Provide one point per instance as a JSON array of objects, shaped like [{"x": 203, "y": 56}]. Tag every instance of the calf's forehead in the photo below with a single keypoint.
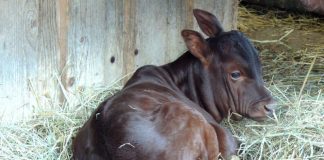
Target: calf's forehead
[{"x": 236, "y": 48}]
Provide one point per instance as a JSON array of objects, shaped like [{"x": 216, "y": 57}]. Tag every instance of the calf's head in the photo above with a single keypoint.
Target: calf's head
[{"x": 233, "y": 68}]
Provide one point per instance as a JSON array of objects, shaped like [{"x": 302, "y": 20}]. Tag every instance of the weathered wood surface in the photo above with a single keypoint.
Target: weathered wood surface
[{"x": 85, "y": 43}]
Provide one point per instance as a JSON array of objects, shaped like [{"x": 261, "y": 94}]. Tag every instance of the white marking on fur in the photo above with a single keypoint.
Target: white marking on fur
[
  {"x": 125, "y": 145},
  {"x": 97, "y": 115},
  {"x": 132, "y": 107}
]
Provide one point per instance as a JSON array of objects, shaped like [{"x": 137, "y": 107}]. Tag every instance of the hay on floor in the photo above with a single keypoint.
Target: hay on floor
[
  {"x": 293, "y": 73},
  {"x": 292, "y": 53}
]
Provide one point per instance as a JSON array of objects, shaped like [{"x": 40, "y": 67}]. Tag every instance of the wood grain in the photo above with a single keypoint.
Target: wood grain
[
  {"x": 85, "y": 43},
  {"x": 29, "y": 56}
]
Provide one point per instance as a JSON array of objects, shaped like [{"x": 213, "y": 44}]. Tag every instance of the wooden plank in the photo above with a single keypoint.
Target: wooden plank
[
  {"x": 93, "y": 43},
  {"x": 29, "y": 54},
  {"x": 62, "y": 22},
  {"x": 43, "y": 79},
  {"x": 151, "y": 22},
  {"x": 179, "y": 17},
  {"x": 113, "y": 49},
  {"x": 129, "y": 29},
  {"x": 158, "y": 26},
  {"x": 13, "y": 67},
  {"x": 230, "y": 14},
  {"x": 88, "y": 43},
  {"x": 225, "y": 11}
]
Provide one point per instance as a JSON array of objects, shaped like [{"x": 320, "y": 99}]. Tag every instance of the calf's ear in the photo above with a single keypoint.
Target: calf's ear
[
  {"x": 196, "y": 44},
  {"x": 208, "y": 23}
]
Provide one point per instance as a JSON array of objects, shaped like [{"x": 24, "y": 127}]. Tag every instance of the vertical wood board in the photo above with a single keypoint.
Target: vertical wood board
[{"x": 50, "y": 50}]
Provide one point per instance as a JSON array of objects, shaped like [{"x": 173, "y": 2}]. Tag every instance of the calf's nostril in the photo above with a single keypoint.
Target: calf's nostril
[{"x": 267, "y": 109}]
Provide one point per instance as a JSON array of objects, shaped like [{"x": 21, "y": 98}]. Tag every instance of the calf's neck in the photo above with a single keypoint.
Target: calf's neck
[{"x": 173, "y": 111}]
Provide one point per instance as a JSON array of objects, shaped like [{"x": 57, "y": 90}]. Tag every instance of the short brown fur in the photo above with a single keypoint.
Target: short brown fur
[{"x": 173, "y": 111}]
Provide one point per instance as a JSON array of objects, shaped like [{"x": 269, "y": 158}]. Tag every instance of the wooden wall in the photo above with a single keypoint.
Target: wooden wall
[{"x": 49, "y": 44}]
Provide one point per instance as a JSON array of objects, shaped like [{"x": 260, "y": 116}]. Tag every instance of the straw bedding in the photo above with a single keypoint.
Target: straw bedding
[{"x": 292, "y": 52}]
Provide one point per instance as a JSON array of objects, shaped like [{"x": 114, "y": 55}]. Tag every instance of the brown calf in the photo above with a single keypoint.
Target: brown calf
[{"x": 172, "y": 112}]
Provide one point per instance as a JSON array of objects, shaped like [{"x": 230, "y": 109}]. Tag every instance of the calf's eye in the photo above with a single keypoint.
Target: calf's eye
[{"x": 235, "y": 75}]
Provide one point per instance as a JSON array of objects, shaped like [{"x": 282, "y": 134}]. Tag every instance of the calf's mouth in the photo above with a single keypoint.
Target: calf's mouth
[{"x": 262, "y": 109}]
